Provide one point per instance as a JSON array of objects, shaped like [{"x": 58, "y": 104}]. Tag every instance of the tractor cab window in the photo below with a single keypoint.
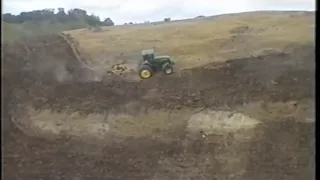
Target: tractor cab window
[
  {"x": 148, "y": 57},
  {"x": 148, "y": 54}
]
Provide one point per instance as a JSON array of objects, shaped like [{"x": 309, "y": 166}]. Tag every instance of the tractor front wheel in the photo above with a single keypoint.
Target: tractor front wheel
[
  {"x": 145, "y": 72},
  {"x": 168, "y": 69}
]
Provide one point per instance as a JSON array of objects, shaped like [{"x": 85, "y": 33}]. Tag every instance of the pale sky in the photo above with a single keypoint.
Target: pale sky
[{"x": 122, "y": 11}]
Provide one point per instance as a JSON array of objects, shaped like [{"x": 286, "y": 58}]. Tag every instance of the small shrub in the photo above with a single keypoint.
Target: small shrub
[
  {"x": 167, "y": 19},
  {"x": 201, "y": 16}
]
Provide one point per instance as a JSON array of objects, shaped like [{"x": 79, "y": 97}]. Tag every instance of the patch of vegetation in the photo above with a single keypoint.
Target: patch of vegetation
[{"x": 46, "y": 21}]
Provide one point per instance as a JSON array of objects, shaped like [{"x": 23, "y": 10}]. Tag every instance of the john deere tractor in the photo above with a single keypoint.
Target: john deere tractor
[{"x": 151, "y": 64}]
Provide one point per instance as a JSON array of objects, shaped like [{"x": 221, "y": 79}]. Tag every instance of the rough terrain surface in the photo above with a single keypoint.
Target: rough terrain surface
[{"x": 163, "y": 128}]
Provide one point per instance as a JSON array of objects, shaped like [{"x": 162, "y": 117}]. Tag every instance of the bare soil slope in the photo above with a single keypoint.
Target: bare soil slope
[{"x": 275, "y": 90}]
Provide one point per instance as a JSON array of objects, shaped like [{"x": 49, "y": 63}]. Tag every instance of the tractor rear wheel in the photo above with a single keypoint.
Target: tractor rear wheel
[
  {"x": 145, "y": 72},
  {"x": 168, "y": 69}
]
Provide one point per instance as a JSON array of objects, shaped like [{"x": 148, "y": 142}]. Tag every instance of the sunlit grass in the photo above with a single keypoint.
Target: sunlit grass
[{"x": 199, "y": 41}]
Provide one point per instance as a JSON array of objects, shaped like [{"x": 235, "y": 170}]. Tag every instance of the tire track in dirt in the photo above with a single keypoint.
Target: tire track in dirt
[{"x": 75, "y": 50}]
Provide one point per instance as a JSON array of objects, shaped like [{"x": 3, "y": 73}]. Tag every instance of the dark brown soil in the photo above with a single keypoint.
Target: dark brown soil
[{"x": 282, "y": 149}]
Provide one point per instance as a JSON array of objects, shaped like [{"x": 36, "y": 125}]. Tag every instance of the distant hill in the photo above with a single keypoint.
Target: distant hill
[{"x": 40, "y": 22}]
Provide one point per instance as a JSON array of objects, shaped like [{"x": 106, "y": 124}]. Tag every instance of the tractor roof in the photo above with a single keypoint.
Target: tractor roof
[{"x": 147, "y": 51}]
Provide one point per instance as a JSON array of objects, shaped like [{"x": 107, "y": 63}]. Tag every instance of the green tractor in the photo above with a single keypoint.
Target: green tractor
[{"x": 151, "y": 64}]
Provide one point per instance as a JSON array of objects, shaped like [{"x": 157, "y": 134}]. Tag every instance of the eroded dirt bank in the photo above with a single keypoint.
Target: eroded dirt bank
[{"x": 42, "y": 73}]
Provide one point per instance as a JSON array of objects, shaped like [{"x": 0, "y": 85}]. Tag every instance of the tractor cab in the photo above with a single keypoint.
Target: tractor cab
[{"x": 148, "y": 55}]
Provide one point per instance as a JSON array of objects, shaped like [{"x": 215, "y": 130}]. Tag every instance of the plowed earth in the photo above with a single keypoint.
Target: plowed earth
[{"x": 43, "y": 73}]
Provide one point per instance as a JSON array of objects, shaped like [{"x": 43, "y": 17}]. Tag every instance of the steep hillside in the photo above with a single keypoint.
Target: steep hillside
[{"x": 196, "y": 42}]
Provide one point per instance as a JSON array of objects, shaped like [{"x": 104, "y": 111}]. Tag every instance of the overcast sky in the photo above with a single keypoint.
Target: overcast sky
[{"x": 121, "y": 11}]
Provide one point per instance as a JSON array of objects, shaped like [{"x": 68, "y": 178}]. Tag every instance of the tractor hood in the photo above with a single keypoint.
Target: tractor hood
[
  {"x": 165, "y": 58},
  {"x": 162, "y": 57}
]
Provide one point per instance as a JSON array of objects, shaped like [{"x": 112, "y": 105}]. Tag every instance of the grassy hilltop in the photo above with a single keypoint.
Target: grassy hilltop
[
  {"x": 13, "y": 31},
  {"x": 46, "y": 21}
]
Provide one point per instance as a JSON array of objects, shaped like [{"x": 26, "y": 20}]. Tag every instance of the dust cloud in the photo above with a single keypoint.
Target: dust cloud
[{"x": 61, "y": 71}]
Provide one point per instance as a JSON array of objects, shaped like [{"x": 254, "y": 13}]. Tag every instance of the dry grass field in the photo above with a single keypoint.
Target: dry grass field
[{"x": 197, "y": 42}]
